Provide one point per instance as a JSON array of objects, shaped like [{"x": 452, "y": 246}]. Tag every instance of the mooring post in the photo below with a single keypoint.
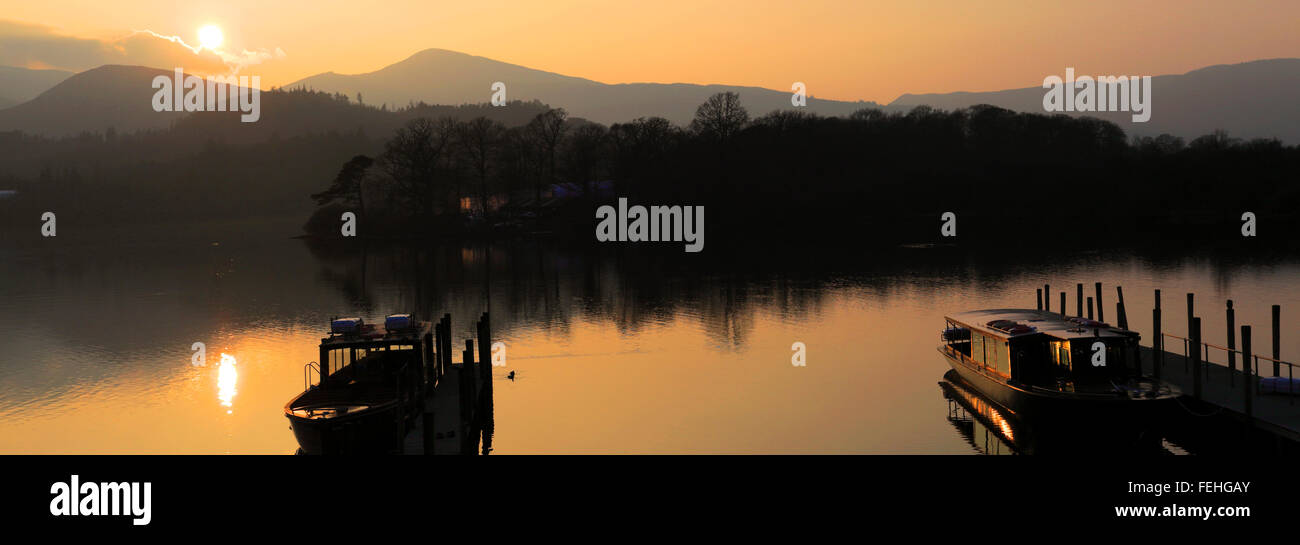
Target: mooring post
[
  {"x": 445, "y": 348},
  {"x": 485, "y": 357},
  {"x": 472, "y": 368},
  {"x": 1047, "y": 303},
  {"x": 430, "y": 433},
  {"x": 1062, "y": 303},
  {"x": 1245, "y": 367},
  {"x": 1232, "y": 344},
  {"x": 485, "y": 350},
  {"x": 1119, "y": 307},
  {"x": 1157, "y": 339},
  {"x": 1100, "y": 315},
  {"x": 1040, "y": 298},
  {"x": 1089, "y": 308},
  {"x": 1190, "y": 314},
  {"x": 1078, "y": 299},
  {"x": 446, "y": 339},
  {"x": 1195, "y": 352},
  {"x": 1277, "y": 340},
  {"x": 471, "y": 408}
]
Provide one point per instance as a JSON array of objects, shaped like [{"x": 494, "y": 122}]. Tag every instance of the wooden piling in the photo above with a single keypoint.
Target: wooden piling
[
  {"x": 446, "y": 342},
  {"x": 1119, "y": 308},
  {"x": 1040, "y": 298},
  {"x": 1062, "y": 303},
  {"x": 1247, "y": 383},
  {"x": 1194, "y": 351},
  {"x": 1100, "y": 315},
  {"x": 1157, "y": 339},
  {"x": 471, "y": 369},
  {"x": 1047, "y": 303},
  {"x": 1277, "y": 340},
  {"x": 484, "y": 331},
  {"x": 1078, "y": 299},
  {"x": 1190, "y": 314},
  {"x": 1089, "y": 308},
  {"x": 428, "y": 430},
  {"x": 468, "y": 416},
  {"x": 1232, "y": 342}
]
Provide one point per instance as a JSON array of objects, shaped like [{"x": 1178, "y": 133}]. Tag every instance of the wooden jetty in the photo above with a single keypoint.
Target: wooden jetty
[
  {"x": 1224, "y": 385},
  {"x": 456, "y": 417}
]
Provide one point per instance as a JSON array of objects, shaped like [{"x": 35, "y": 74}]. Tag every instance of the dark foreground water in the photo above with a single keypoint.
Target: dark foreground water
[{"x": 614, "y": 352}]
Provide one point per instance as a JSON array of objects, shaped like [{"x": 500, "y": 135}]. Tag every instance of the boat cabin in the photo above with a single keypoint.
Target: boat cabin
[
  {"x": 355, "y": 350},
  {"x": 1042, "y": 348}
]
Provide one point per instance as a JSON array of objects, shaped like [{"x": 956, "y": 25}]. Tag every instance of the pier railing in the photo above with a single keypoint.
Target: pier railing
[{"x": 1232, "y": 355}]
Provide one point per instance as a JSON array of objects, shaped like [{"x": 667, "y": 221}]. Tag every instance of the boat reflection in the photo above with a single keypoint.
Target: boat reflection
[
  {"x": 992, "y": 429},
  {"x": 980, "y": 423}
]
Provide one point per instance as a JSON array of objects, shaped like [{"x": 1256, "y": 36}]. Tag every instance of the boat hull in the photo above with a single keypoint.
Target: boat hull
[
  {"x": 1085, "y": 409},
  {"x": 375, "y": 430}
]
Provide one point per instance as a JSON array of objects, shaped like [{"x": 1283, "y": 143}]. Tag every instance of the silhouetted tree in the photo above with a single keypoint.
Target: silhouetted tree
[
  {"x": 584, "y": 154},
  {"x": 348, "y": 184},
  {"x": 547, "y": 130},
  {"x": 478, "y": 139},
  {"x": 720, "y": 117}
]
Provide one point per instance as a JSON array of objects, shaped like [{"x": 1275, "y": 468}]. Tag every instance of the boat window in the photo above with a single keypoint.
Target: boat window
[
  {"x": 1061, "y": 355},
  {"x": 401, "y": 347},
  {"x": 339, "y": 358},
  {"x": 977, "y": 348},
  {"x": 1000, "y": 359}
]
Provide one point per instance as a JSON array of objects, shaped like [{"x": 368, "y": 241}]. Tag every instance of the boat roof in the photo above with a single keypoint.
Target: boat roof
[
  {"x": 1042, "y": 321},
  {"x": 375, "y": 334}
]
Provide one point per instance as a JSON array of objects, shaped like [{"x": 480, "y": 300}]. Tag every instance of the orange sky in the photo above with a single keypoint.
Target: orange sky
[{"x": 843, "y": 50}]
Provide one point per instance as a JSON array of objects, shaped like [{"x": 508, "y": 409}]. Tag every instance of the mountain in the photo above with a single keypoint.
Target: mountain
[
  {"x": 1249, "y": 100},
  {"x": 439, "y": 76},
  {"x": 109, "y": 96},
  {"x": 18, "y": 85}
]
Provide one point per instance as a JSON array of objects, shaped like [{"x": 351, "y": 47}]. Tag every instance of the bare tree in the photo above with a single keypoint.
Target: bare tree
[
  {"x": 548, "y": 130},
  {"x": 412, "y": 159},
  {"x": 585, "y": 153},
  {"x": 478, "y": 139},
  {"x": 720, "y": 117}
]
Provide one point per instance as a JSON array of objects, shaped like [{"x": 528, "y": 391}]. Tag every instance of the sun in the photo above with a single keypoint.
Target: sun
[{"x": 210, "y": 37}]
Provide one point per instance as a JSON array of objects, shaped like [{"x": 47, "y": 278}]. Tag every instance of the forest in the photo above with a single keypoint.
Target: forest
[{"x": 524, "y": 169}]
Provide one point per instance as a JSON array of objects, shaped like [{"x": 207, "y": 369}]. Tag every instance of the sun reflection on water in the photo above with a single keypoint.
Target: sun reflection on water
[{"x": 227, "y": 376}]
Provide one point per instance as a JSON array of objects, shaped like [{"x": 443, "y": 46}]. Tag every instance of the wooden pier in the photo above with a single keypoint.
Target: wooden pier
[
  {"x": 1223, "y": 385},
  {"x": 456, "y": 412}
]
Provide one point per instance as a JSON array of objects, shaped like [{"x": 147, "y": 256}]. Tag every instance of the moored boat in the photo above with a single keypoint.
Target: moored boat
[
  {"x": 370, "y": 390},
  {"x": 1043, "y": 364}
]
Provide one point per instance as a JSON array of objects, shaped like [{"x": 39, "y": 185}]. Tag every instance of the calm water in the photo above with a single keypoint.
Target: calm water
[{"x": 613, "y": 353}]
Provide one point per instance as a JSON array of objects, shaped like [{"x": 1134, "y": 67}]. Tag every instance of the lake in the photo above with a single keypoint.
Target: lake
[{"x": 615, "y": 349}]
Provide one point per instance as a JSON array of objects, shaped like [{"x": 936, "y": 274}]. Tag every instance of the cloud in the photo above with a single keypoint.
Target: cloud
[{"x": 38, "y": 46}]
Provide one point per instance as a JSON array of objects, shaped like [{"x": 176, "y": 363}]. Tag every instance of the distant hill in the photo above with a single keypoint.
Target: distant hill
[
  {"x": 94, "y": 100},
  {"x": 1249, "y": 100},
  {"x": 439, "y": 76},
  {"x": 18, "y": 85}
]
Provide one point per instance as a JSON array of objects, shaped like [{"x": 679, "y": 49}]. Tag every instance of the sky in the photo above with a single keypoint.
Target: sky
[{"x": 843, "y": 50}]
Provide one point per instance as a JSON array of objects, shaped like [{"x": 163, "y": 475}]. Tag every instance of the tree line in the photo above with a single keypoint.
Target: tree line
[{"x": 803, "y": 177}]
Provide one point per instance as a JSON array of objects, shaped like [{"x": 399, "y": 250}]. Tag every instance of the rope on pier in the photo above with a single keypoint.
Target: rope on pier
[{"x": 1194, "y": 413}]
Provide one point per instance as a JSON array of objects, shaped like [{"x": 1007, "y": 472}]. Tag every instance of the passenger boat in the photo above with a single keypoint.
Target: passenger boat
[
  {"x": 370, "y": 390},
  {"x": 1043, "y": 364}
]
